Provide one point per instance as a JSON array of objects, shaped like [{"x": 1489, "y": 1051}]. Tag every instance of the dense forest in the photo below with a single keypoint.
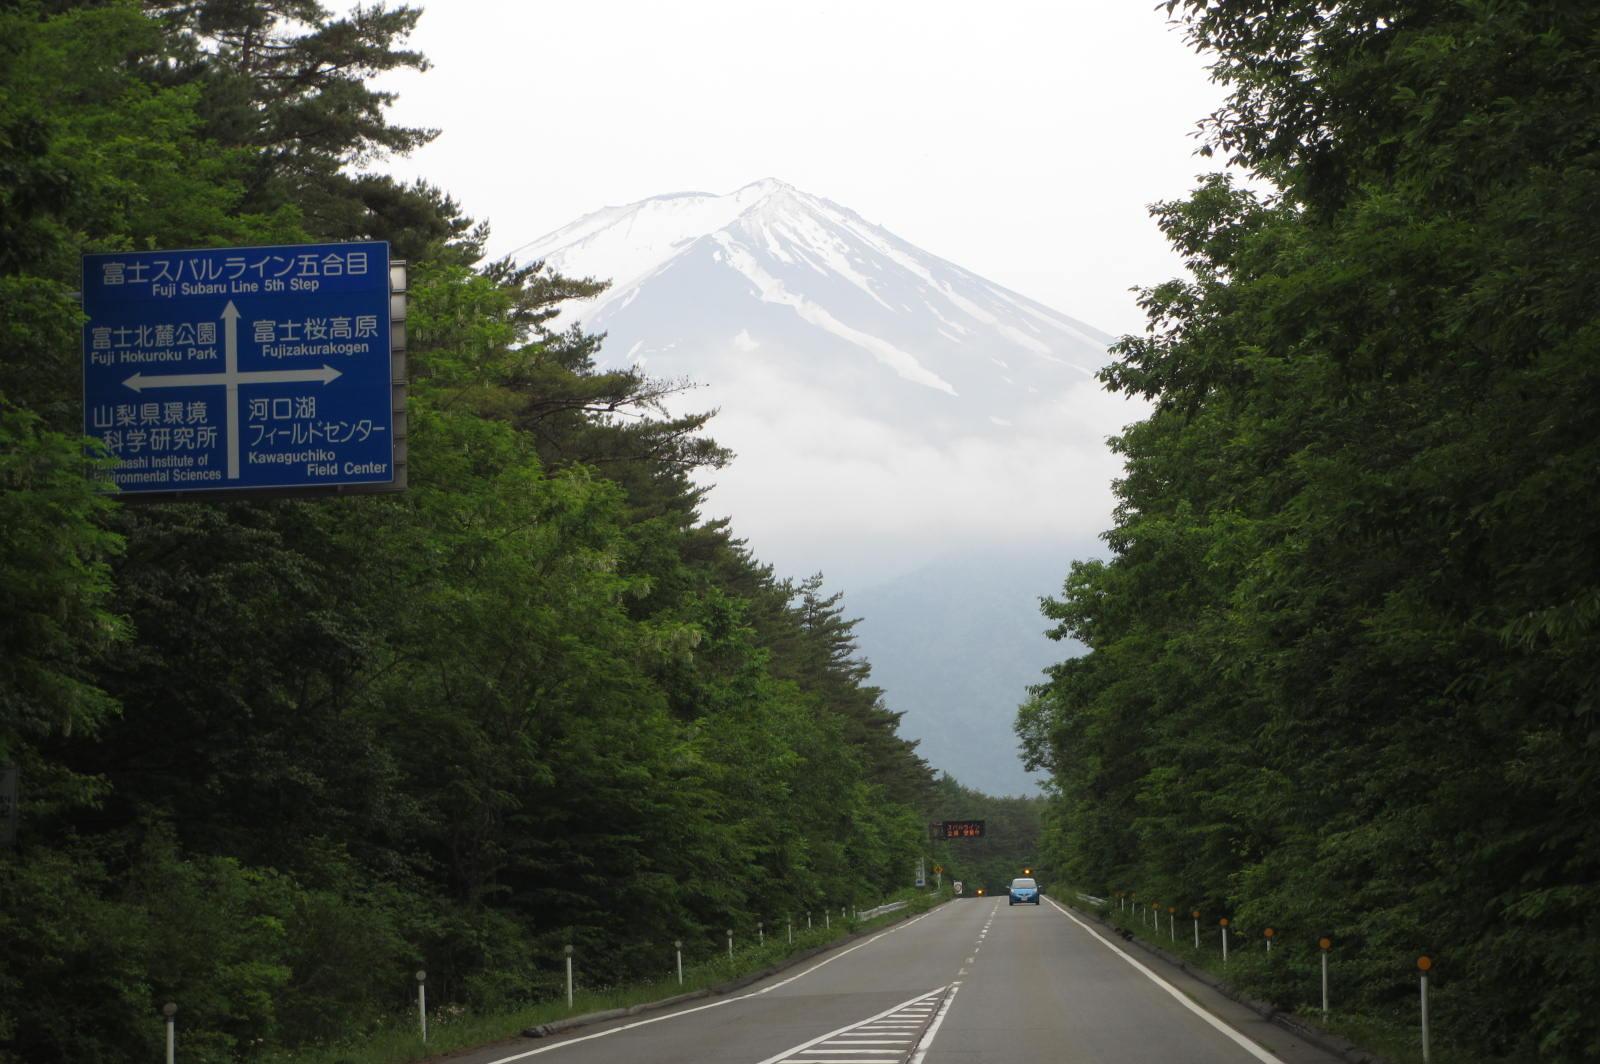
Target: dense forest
[
  {"x": 275, "y": 755},
  {"x": 1342, "y": 676}
]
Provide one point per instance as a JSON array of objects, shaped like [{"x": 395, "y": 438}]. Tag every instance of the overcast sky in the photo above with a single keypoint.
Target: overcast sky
[{"x": 1021, "y": 140}]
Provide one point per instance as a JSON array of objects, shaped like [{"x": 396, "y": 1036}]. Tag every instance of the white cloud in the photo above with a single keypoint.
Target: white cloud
[{"x": 816, "y": 485}]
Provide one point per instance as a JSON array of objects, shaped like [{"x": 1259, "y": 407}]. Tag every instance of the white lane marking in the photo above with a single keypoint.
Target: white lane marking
[
  {"x": 1243, "y": 1042},
  {"x": 724, "y": 1001},
  {"x": 793, "y": 1051},
  {"x": 871, "y": 1038},
  {"x": 842, "y": 1040},
  {"x": 933, "y": 1028}
]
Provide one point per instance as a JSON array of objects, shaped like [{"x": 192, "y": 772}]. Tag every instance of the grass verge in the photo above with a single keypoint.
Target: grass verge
[{"x": 451, "y": 1028}]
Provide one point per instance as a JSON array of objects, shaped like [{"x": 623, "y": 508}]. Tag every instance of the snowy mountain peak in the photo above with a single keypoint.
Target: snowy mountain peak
[
  {"x": 701, "y": 284},
  {"x": 766, "y": 186}
]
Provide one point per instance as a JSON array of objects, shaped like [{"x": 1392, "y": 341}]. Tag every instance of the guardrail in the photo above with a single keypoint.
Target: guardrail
[{"x": 867, "y": 914}]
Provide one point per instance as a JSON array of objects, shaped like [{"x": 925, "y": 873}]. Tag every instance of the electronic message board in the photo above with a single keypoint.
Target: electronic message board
[
  {"x": 241, "y": 368},
  {"x": 961, "y": 829}
]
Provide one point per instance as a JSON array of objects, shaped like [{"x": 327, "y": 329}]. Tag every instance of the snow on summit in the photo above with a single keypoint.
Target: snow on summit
[{"x": 703, "y": 284}]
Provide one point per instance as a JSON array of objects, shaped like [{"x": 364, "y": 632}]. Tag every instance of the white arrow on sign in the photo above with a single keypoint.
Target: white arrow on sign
[
  {"x": 231, "y": 378},
  {"x": 139, "y": 382}
]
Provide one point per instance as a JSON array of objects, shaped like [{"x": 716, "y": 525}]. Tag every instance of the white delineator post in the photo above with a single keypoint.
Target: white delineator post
[
  {"x": 827, "y": 921},
  {"x": 1172, "y": 922},
  {"x": 761, "y": 933},
  {"x": 677, "y": 947},
  {"x": 1269, "y": 933},
  {"x": 422, "y": 1003},
  {"x": 170, "y": 1012},
  {"x": 789, "y": 923},
  {"x": 1324, "y": 944},
  {"x": 1424, "y": 964},
  {"x": 1196, "y": 914},
  {"x": 730, "y": 943},
  {"x": 808, "y": 921},
  {"x": 1224, "y": 922},
  {"x": 568, "y": 951}
]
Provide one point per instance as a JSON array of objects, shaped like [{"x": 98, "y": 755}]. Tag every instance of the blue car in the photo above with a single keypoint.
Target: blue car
[{"x": 1024, "y": 891}]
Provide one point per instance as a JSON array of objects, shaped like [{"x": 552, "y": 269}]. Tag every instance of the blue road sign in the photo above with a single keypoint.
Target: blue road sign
[{"x": 230, "y": 368}]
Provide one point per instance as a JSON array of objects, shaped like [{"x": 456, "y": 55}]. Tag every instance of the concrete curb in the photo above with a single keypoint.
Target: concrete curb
[
  {"x": 545, "y": 1030},
  {"x": 1329, "y": 1043}
]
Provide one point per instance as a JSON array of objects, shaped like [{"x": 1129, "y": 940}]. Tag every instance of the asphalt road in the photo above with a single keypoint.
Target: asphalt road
[{"x": 973, "y": 982}]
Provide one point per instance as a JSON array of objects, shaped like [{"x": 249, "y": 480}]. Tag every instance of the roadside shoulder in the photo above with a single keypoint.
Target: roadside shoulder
[{"x": 1332, "y": 1044}]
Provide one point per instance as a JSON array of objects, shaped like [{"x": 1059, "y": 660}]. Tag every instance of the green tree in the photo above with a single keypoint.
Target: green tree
[{"x": 1335, "y": 679}]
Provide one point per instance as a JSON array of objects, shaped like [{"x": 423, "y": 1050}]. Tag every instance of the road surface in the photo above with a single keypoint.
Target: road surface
[{"x": 972, "y": 982}]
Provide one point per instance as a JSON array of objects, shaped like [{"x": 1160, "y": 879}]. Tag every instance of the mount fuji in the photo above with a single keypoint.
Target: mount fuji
[
  {"x": 898, "y": 333},
  {"x": 901, "y": 423}
]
